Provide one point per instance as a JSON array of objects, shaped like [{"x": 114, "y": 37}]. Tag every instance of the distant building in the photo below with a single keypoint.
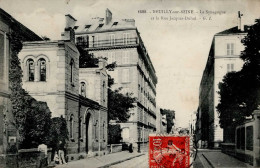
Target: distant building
[
  {"x": 51, "y": 74},
  {"x": 7, "y": 130},
  {"x": 120, "y": 42},
  {"x": 161, "y": 122},
  {"x": 224, "y": 57}
]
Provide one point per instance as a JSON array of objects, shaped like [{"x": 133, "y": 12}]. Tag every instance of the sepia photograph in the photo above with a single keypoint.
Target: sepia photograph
[{"x": 129, "y": 83}]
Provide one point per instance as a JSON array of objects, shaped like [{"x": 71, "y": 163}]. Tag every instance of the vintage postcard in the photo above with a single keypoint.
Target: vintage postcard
[{"x": 129, "y": 83}]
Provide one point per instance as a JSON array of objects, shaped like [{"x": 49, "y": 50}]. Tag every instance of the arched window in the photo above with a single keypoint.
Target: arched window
[
  {"x": 31, "y": 69},
  {"x": 71, "y": 71},
  {"x": 80, "y": 128},
  {"x": 103, "y": 91},
  {"x": 83, "y": 89},
  {"x": 42, "y": 66},
  {"x": 71, "y": 126},
  {"x": 104, "y": 124}
]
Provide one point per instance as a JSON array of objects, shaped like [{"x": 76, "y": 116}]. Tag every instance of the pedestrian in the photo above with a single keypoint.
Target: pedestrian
[
  {"x": 131, "y": 146},
  {"x": 61, "y": 149},
  {"x": 43, "y": 158},
  {"x": 56, "y": 158}
]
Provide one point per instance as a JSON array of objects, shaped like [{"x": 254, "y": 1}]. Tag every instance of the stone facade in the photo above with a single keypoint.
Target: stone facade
[
  {"x": 119, "y": 41},
  {"x": 224, "y": 57},
  {"x": 51, "y": 74}
]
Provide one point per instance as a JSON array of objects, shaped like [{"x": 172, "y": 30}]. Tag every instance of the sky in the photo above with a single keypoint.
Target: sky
[{"x": 178, "y": 49}]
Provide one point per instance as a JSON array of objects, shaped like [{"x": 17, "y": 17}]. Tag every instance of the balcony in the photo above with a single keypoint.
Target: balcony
[{"x": 113, "y": 43}]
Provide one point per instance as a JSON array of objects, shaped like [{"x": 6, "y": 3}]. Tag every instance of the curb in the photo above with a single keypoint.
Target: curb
[
  {"x": 208, "y": 161},
  {"x": 119, "y": 161}
]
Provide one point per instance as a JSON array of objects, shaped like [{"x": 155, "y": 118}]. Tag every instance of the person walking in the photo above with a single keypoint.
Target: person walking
[
  {"x": 43, "y": 159},
  {"x": 61, "y": 149}
]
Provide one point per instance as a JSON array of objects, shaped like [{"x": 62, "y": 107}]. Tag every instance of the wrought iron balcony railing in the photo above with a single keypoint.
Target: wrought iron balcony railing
[{"x": 108, "y": 43}]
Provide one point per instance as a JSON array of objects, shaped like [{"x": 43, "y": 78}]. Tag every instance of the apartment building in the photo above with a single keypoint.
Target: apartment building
[
  {"x": 224, "y": 57},
  {"x": 119, "y": 41}
]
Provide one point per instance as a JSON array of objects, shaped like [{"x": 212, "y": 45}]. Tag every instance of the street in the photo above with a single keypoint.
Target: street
[{"x": 141, "y": 161}]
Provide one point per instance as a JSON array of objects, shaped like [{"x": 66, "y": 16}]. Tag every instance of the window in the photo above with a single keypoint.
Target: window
[
  {"x": 230, "y": 48},
  {"x": 126, "y": 38},
  {"x": 103, "y": 91},
  {"x": 31, "y": 69},
  {"x": 71, "y": 71},
  {"x": 114, "y": 24},
  {"x": 111, "y": 57},
  {"x": 112, "y": 39},
  {"x": 104, "y": 124},
  {"x": 83, "y": 89},
  {"x": 114, "y": 74},
  {"x": 230, "y": 67},
  {"x": 96, "y": 41},
  {"x": 80, "y": 128},
  {"x": 125, "y": 59},
  {"x": 249, "y": 138},
  {"x": 242, "y": 138},
  {"x": 42, "y": 64},
  {"x": 125, "y": 75},
  {"x": 96, "y": 130},
  {"x": 71, "y": 126},
  {"x": 99, "y": 26},
  {"x": 2, "y": 55},
  {"x": 87, "y": 27}
]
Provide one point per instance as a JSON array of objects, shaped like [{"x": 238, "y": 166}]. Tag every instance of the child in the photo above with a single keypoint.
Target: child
[{"x": 56, "y": 158}]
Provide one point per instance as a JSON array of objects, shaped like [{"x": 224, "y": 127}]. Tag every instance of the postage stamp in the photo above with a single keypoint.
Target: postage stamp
[{"x": 169, "y": 151}]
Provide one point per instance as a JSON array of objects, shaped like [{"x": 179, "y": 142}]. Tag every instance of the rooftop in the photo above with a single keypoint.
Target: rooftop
[
  {"x": 107, "y": 23},
  {"x": 23, "y": 30},
  {"x": 234, "y": 30}
]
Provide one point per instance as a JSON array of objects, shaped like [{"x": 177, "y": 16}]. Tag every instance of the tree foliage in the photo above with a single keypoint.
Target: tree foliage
[
  {"x": 37, "y": 123},
  {"x": 170, "y": 115},
  {"x": 114, "y": 134},
  {"x": 240, "y": 91},
  {"x": 119, "y": 105},
  {"x": 32, "y": 118},
  {"x": 58, "y": 132},
  {"x": 86, "y": 60}
]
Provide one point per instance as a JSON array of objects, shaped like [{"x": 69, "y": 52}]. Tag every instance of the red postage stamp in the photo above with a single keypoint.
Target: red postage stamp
[{"x": 169, "y": 151}]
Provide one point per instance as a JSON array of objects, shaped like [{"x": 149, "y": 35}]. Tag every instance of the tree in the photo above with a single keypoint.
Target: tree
[
  {"x": 37, "y": 124},
  {"x": 58, "y": 132},
  {"x": 32, "y": 118},
  {"x": 240, "y": 91},
  {"x": 170, "y": 115},
  {"x": 114, "y": 134},
  {"x": 119, "y": 105}
]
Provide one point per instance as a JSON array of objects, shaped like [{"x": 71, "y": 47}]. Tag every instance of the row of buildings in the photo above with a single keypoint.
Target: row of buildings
[
  {"x": 224, "y": 57},
  {"x": 51, "y": 74}
]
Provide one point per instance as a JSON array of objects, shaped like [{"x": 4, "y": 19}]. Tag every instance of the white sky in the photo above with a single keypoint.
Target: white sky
[{"x": 178, "y": 49}]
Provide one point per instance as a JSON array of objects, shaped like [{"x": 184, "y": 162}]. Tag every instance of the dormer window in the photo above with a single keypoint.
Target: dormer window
[
  {"x": 114, "y": 24},
  {"x": 87, "y": 27},
  {"x": 99, "y": 26}
]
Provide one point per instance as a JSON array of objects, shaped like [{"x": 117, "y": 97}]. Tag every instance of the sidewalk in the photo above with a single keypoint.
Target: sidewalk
[
  {"x": 219, "y": 159},
  {"x": 102, "y": 161}
]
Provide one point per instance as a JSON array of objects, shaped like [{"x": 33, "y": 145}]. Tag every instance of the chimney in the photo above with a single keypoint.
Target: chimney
[
  {"x": 70, "y": 21},
  {"x": 69, "y": 33},
  {"x": 240, "y": 24},
  {"x": 108, "y": 16}
]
